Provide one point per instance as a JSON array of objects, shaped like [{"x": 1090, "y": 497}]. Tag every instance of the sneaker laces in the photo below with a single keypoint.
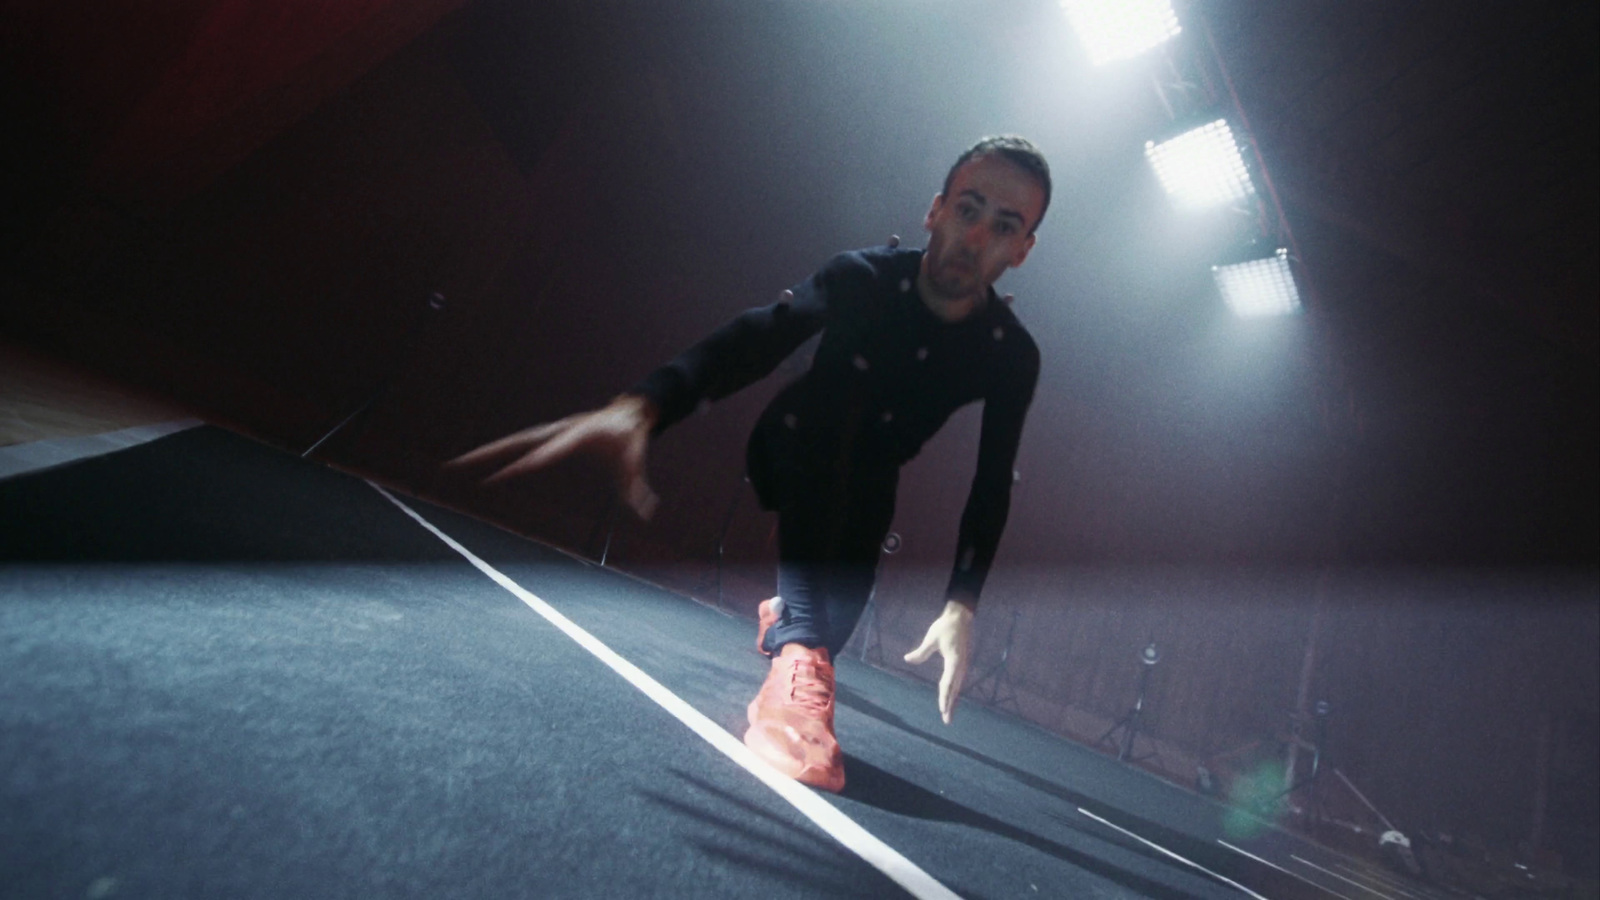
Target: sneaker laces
[{"x": 811, "y": 685}]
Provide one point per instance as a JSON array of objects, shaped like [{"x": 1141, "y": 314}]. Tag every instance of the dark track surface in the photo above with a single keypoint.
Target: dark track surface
[{"x": 231, "y": 673}]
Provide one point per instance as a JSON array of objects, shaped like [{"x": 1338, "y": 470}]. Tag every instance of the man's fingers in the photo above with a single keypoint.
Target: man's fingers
[
  {"x": 944, "y": 693},
  {"x": 532, "y": 462},
  {"x": 635, "y": 490},
  {"x": 639, "y": 496},
  {"x": 955, "y": 672},
  {"x": 925, "y": 650},
  {"x": 518, "y": 442},
  {"x": 558, "y": 447},
  {"x": 484, "y": 453},
  {"x": 956, "y": 669}
]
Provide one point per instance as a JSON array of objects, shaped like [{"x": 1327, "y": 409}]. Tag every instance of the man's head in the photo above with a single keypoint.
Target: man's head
[
  {"x": 983, "y": 222},
  {"x": 1017, "y": 150}
]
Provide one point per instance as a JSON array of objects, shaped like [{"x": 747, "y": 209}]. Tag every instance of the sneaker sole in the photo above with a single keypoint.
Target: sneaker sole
[{"x": 783, "y": 748}]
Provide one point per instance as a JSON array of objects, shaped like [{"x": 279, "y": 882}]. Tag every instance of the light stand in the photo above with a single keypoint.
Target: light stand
[
  {"x": 999, "y": 674},
  {"x": 722, "y": 537},
  {"x": 871, "y": 634},
  {"x": 608, "y": 521},
  {"x": 871, "y": 650},
  {"x": 1314, "y": 810},
  {"x": 1129, "y": 724},
  {"x": 1392, "y": 842}
]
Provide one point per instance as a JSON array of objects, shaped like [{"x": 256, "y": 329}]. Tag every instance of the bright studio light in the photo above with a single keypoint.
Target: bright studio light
[
  {"x": 1202, "y": 167},
  {"x": 1118, "y": 29},
  {"x": 1260, "y": 287}
]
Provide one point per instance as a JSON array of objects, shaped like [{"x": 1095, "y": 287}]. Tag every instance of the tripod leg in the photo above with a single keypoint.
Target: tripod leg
[
  {"x": 1127, "y": 737},
  {"x": 1120, "y": 723}
]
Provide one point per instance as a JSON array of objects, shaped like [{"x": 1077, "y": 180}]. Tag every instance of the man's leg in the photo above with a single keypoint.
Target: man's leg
[
  {"x": 818, "y": 605},
  {"x": 791, "y": 718},
  {"x": 825, "y": 578}
]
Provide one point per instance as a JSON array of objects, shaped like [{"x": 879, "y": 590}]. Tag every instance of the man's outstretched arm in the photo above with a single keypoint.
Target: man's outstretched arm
[
  {"x": 740, "y": 352},
  {"x": 982, "y": 523}
]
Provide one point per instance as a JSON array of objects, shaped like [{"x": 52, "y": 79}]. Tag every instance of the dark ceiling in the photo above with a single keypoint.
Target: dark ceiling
[
  {"x": 1441, "y": 161},
  {"x": 1459, "y": 139}
]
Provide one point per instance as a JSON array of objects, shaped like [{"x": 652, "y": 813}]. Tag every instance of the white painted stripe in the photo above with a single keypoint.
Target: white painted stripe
[
  {"x": 1268, "y": 862},
  {"x": 1157, "y": 847},
  {"x": 1307, "y": 862},
  {"x": 1391, "y": 882},
  {"x": 34, "y": 456},
  {"x": 838, "y": 826}
]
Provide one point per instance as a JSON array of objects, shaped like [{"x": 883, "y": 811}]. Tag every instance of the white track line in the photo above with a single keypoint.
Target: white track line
[
  {"x": 1307, "y": 862},
  {"x": 1268, "y": 862},
  {"x": 1384, "y": 879},
  {"x": 839, "y": 826},
  {"x": 1188, "y": 862}
]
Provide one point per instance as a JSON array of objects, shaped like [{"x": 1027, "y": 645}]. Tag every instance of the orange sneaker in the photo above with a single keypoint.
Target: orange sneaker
[
  {"x": 791, "y": 719},
  {"x": 766, "y": 617}
]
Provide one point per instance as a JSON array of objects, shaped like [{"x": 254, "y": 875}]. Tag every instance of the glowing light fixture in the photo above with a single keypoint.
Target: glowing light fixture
[
  {"x": 1259, "y": 287},
  {"x": 1201, "y": 167},
  {"x": 1119, "y": 29}
]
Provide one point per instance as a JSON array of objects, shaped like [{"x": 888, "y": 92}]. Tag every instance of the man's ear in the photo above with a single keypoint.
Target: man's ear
[
  {"x": 1022, "y": 252},
  {"x": 933, "y": 210}
]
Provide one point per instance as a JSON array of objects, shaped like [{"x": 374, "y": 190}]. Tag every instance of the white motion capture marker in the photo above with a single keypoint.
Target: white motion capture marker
[
  {"x": 860, "y": 362},
  {"x": 894, "y": 241},
  {"x": 922, "y": 353},
  {"x": 790, "y": 421},
  {"x": 905, "y": 285},
  {"x": 999, "y": 333},
  {"x": 836, "y": 824}
]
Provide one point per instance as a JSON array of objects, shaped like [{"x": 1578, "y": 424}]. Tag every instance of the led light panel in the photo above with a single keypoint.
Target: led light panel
[
  {"x": 1118, "y": 29},
  {"x": 1260, "y": 287},
  {"x": 1202, "y": 167}
]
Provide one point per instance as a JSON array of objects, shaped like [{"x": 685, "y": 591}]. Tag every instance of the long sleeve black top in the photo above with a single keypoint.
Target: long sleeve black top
[{"x": 886, "y": 376}]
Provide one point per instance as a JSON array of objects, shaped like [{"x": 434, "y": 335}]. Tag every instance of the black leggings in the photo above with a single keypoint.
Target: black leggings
[{"x": 828, "y": 546}]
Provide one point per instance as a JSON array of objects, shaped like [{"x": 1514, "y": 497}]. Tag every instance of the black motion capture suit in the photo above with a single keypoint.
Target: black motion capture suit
[{"x": 826, "y": 454}]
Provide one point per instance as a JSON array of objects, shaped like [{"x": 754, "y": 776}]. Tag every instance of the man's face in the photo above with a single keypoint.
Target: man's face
[{"x": 981, "y": 227}]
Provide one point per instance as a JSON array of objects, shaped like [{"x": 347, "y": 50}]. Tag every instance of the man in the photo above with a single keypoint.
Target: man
[{"x": 908, "y": 337}]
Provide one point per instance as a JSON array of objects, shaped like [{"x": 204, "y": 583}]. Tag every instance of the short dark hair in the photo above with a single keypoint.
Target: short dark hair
[{"x": 1016, "y": 150}]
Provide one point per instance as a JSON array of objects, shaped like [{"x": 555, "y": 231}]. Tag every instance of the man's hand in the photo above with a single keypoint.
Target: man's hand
[
  {"x": 619, "y": 432},
  {"x": 951, "y": 635}
]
